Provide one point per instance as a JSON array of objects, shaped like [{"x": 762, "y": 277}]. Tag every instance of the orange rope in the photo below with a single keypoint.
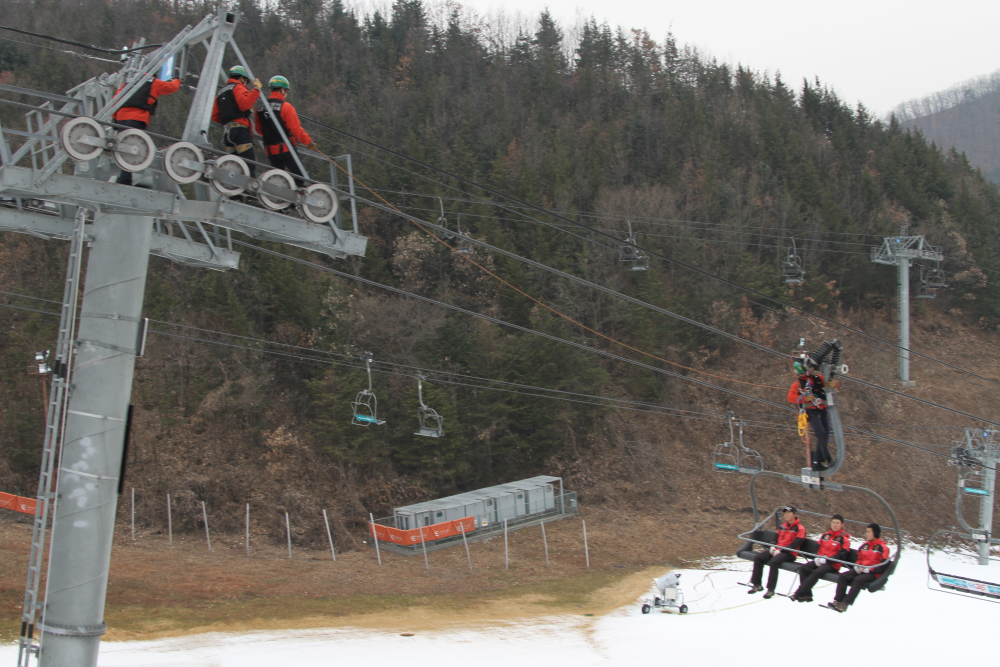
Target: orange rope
[{"x": 543, "y": 305}]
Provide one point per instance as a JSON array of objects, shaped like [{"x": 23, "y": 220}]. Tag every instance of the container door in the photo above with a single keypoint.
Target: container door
[{"x": 550, "y": 497}]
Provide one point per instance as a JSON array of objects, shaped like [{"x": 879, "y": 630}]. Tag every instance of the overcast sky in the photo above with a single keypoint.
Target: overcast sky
[{"x": 878, "y": 52}]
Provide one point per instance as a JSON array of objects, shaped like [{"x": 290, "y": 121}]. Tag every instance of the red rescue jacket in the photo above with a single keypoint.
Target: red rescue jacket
[
  {"x": 810, "y": 385},
  {"x": 289, "y": 119},
  {"x": 157, "y": 89},
  {"x": 874, "y": 554},
  {"x": 790, "y": 536},
  {"x": 243, "y": 100},
  {"x": 835, "y": 544}
]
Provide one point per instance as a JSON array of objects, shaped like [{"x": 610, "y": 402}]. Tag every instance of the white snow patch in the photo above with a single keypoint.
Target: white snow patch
[{"x": 906, "y": 624}]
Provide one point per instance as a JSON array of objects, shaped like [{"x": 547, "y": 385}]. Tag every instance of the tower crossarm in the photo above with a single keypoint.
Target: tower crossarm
[
  {"x": 111, "y": 198},
  {"x": 897, "y": 248}
]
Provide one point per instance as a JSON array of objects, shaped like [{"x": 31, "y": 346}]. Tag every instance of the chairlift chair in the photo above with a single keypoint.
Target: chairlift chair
[
  {"x": 628, "y": 252},
  {"x": 365, "y": 404},
  {"x": 463, "y": 246},
  {"x": 431, "y": 423},
  {"x": 759, "y": 535},
  {"x": 791, "y": 268},
  {"x": 725, "y": 456},
  {"x": 956, "y": 584}
]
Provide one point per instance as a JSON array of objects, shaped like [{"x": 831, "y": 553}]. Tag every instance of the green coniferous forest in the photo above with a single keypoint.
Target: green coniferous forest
[{"x": 714, "y": 165}]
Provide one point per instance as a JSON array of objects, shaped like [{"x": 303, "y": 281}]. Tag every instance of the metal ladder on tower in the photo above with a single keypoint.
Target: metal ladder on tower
[{"x": 55, "y": 422}]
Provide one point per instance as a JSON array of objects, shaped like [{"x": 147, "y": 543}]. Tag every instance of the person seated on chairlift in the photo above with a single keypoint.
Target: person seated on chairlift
[
  {"x": 873, "y": 560},
  {"x": 790, "y": 537},
  {"x": 809, "y": 391},
  {"x": 834, "y": 543}
]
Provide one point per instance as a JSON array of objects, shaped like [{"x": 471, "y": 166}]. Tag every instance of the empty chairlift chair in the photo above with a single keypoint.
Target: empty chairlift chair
[
  {"x": 463, "y": 246},
  {"x": 629, "y": 253},
  {"x": 431, "y": 423},
  {"x": 725, "y": 455},
  {"x": 365, "y": 404},
  {"x": 791, "y": 268},
  {"x": 931, "y": 280}
]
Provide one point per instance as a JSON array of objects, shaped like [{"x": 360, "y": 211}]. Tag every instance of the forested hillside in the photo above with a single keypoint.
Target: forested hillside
[
  {"x": 714, "y": 166},
  {"x": 966, "y": 116}
]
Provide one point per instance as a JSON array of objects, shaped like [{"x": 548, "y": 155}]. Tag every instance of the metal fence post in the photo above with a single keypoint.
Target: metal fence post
[
  {"x": 204, "y": 514},
  {"x": 506, "y": 558},
  {"x": 423, "y": 544},
  {"x": 329, "y": 537},
  {"x": 170, "y": 523},
  {"x": 586, "y": 550},
  {"x": 545, "y": 541},
  {"x": 466, "y": 543},
  {"x": 288, "y": 531},
  {"x": 248, "y": 530},
  {"x": 378, "y": 554}
]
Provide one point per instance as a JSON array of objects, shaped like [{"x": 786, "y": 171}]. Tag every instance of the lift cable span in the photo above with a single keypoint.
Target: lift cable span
[
  {"x": 611, "y": 236},
  {"x": 390, "y": 209},
  {"x": 598, "y": 351}
]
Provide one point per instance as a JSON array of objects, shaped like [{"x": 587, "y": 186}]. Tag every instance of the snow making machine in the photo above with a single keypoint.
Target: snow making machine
[{"x": 670, "y": 598}]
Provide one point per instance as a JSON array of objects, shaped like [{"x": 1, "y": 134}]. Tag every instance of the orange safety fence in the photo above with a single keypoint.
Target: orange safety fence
[
  {"x": 9, "y": 501},
  {"x": 430, "y": 533}
]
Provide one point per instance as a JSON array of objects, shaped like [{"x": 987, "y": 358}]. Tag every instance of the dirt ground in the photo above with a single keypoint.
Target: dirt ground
[{"x": 157, "y": 590}]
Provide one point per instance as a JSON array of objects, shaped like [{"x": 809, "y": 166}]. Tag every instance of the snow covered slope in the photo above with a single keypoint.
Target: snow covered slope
[{"x": 905, "y": 624}]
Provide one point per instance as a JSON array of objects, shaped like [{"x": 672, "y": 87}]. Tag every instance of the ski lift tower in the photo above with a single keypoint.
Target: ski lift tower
[
  {"x": 59, "y": 184},
  {"x": 900, "y": 251}
]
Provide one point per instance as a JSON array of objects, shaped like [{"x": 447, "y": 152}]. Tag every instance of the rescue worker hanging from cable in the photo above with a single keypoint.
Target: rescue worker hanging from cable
[
  {"x": 140, "y": 107},
  {"x": 232, "y": 110},
  {"x": 281, "y": 111},
  {"x": 808, "y": 391}
]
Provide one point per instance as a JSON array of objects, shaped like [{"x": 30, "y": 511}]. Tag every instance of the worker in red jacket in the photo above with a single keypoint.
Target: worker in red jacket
[
  {"x": 279, "y": 110},
  {"x": 140, "y": 107},
  {"x": 834, "y": 543},
  {"x": 790, "y": 537},
  {"x": 872, "y": 561},
  {"x": 232, "y": 110},
  {"x": 809, "y": 392}
]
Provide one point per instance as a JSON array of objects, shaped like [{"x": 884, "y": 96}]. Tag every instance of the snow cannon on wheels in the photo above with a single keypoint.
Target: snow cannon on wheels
[{"x": 670, "y": 597}]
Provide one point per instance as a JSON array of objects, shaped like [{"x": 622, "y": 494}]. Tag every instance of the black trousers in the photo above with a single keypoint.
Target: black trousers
[
  {"x": 125, "y": 177},
  {"x": 820, "y": 422},
  {"x": 237, "y": 139},
  {"x": 809, "y": 574},
  {"x": 765, "y": 558},
  {"x": 287, "y": 162},
  {"x": 857, "y": 583}
]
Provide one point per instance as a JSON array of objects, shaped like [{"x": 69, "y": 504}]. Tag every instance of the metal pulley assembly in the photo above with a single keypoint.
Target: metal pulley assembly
[
  {"x": 326, "y": 203},
  {"x": 133, "y": 150},
  {"x": 184, "y": 162},
  {"x": 234, "y": 166},
  {"x": 83, "y": 138},
  {"x": 277, "y": 178}
]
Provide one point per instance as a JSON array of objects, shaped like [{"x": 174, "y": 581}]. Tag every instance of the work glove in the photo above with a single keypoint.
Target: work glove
[
  {"x": 177, "y": 72},
  {"x": 821, "y": 561},
  {"x": 775, "y": 551},
  {"x": 313, "y": 146},
  {"x": 257, "y": 84}
]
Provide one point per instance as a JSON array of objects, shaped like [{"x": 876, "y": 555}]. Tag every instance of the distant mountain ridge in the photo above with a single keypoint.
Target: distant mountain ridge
[{"x": 966, "y": 116}]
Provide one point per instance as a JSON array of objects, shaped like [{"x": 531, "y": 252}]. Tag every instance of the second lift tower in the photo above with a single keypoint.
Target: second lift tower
[{"x": 900, "y": 251}]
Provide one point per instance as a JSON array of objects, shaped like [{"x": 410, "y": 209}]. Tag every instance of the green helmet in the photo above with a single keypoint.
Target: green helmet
[
  {"x": 238, "y": 70},
  {"x": 279, "y": 82},
  {"x": 799, "y": 368}
]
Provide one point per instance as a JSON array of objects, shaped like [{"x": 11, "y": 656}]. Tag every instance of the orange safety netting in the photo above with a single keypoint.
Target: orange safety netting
[{"x": 436, "y": 531}]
